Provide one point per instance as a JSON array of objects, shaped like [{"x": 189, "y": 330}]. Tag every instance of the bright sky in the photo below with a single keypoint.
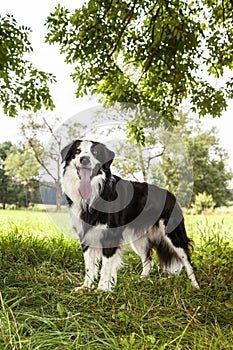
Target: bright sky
[{"x": 46, "y": 57}]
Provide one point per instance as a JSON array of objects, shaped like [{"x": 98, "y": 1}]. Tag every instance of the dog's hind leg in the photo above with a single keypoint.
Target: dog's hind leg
[
  {"x": 143, "y": 248},
  {"x": 92, "y": 257}
]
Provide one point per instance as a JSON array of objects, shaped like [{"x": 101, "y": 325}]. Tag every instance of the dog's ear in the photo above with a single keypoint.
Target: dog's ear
[
  {"x": 108, "y": 156},
  {"x": 65, "y": 151}
]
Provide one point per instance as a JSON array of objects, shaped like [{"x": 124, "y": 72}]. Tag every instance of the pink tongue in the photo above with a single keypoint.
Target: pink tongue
[{"x": 85, "y": 189}]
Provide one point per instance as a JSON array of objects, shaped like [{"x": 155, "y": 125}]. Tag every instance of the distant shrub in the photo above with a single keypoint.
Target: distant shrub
[
  {"x": 203, "y": 201},
  {"x": 37, "y": 207}
]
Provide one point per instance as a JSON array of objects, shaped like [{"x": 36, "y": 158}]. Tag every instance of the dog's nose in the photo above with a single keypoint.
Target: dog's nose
[{"x": 85, "y": 160}]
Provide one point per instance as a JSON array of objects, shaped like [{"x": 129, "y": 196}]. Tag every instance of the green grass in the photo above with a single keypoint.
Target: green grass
[{"x": 39, "y": 268}]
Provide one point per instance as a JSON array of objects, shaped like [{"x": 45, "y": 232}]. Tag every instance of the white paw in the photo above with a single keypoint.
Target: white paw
[
  {"x": 99, "y": 289},
  {"x": 105, "y": 287},
  {"x": 82, "y": 288},
  {"x": 195, "y": 285}
]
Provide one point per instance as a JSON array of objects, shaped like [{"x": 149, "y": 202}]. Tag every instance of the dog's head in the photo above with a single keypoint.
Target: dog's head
[{"x": 85, "y": 161}]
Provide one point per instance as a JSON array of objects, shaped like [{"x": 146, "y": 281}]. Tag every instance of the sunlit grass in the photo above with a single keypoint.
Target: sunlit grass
[{"x": 40, "y": 266}]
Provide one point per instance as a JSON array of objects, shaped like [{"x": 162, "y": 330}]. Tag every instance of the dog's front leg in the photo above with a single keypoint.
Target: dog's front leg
[
  {"x": 108, "y": 274},
  {"x": 92, "y": 257}
]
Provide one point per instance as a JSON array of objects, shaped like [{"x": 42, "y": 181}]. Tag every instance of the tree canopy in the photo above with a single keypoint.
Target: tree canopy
[
  {"x": 22, "y": 86},
  {"x": 153, "y": 53}
]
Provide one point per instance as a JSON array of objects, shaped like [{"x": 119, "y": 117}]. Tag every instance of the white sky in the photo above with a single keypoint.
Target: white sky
[{"x": 46, "y": 57}]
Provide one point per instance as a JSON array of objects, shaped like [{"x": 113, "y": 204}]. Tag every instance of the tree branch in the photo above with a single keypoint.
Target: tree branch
[
  {"x": 40, "y": 161},
  {"x": 127, "y": 20},
  {"x": 52, "y": 133},
  {"x": 153, "y": 157}
]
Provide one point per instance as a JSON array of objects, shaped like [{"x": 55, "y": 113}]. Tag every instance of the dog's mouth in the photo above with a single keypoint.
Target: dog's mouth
[
  {"x": 85, "y": 189},
  {"x": 84, "y": 172}
]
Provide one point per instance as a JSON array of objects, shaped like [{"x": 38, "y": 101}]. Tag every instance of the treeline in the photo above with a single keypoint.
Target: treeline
[{"x": 188, "y": 161}]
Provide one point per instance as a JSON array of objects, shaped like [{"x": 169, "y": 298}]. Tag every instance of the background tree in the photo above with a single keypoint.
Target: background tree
[
  {"x": 211, "y": 173},
  {"x": 11, "y": 191},
  {"x": 153, "y": 53},
  {"x": 22, "y": 85},
  {"x": 146, "y": 163},
  {"x": 23, "y": 168},
  {"x": 137, "y": 162},
  {"x": 45, "y": 141},
  {"x": 37, "y": 131},
  {"x": 5, "y": 191}
]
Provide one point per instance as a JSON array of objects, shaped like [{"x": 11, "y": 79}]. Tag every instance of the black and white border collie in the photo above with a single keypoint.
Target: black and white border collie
[{"x": 108, "y": 212}]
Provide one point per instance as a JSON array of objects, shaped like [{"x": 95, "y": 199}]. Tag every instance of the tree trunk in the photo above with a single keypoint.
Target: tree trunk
[
  {"x": 58, "y": 195},
  {"x": 144, "y": 173},
  {"x": 26, "y": 197},
  {"x": 58, "y": 186}
]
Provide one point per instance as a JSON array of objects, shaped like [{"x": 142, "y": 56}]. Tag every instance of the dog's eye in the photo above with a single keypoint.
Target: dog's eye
[
  {"x": 94, "y": 152},
  {"x": 78, "y": 151}
]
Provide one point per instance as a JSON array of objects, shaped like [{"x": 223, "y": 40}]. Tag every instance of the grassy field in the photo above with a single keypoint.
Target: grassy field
[{"x": 40, "y": 267}]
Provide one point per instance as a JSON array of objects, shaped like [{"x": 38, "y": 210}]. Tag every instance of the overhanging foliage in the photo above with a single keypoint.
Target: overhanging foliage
[
  {"x": 22, "y": 86},
  {"x": 153, "y": 53}
]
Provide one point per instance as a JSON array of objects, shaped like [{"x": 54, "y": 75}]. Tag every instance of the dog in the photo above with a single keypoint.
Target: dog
[{"x": 108, "y": 212}]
